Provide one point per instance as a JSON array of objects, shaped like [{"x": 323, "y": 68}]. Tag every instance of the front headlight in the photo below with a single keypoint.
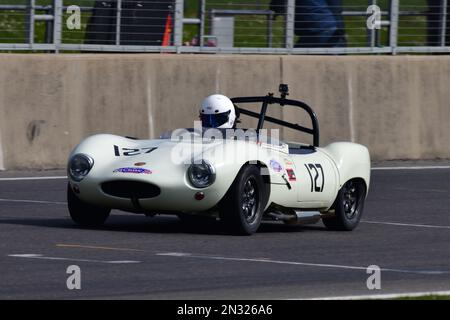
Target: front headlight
[
  {"x": 79, "y": 166},
  {"x": 202, "y": 175}
]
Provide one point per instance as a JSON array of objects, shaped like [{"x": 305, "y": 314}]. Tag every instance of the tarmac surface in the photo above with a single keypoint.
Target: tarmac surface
[{"x": 405, "y": 231}]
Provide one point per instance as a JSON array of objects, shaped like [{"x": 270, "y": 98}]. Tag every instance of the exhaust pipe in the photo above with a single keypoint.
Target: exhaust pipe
[
  {"x": 307, "y": 217},
  {"x": 297, "y": 217}
]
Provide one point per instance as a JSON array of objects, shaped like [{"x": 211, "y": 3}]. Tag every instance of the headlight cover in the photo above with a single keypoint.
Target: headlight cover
[
  {"x": 202, "y": 175},
  {"x": 79, "y": 166}
]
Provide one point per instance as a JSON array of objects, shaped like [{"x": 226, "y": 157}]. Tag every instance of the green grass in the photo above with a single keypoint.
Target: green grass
[{"x": 250, "y": 31}]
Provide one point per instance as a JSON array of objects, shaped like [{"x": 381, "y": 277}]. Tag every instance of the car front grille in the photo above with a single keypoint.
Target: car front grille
[{"x": 130, "y": 189}]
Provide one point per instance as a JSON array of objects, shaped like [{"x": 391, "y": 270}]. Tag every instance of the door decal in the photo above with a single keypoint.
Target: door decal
[
  {"x": 315, "y": 172},
  {"x": 291, "y": 175}
]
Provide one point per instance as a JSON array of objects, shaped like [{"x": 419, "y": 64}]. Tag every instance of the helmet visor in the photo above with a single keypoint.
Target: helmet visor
[{"x": 214, "y": 120}]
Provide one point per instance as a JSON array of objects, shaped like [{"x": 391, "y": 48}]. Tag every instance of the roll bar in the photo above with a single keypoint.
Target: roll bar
[{"x": 283, "y": 102}]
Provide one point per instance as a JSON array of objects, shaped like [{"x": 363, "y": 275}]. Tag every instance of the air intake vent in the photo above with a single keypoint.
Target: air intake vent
[{"x": 130, "y": 189}]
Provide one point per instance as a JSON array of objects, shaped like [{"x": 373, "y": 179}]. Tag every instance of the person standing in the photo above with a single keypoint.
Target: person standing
[
  {"x": 434, "y": 23},
  {"x": 318, "y": 23}
]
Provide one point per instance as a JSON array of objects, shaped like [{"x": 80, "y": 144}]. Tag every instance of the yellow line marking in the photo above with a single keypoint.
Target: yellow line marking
[{"x": 96, "y": 247}]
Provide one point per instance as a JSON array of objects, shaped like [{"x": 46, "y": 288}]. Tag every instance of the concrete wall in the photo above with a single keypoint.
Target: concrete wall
[{"x": 397, "y": 106}]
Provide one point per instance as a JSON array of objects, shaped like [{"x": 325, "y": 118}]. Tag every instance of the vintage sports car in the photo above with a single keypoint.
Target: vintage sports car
[{"x": 239, "y": 179}]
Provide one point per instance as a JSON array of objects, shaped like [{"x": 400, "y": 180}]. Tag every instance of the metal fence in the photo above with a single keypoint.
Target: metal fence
[{"x": 224, "y": 26}]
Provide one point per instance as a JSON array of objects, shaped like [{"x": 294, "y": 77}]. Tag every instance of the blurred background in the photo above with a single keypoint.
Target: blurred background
[{"x": 249, "y": 26}]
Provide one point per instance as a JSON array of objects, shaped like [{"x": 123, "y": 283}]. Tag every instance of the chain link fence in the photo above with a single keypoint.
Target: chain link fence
[{"x": 224, "y": 26}]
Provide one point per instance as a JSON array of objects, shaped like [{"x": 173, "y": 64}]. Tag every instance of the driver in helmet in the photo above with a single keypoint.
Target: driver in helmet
[{"x": 217, "y": 111}]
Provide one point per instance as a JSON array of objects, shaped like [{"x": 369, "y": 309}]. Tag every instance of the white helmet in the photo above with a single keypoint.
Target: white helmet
[{"x": 217, "y": 111}]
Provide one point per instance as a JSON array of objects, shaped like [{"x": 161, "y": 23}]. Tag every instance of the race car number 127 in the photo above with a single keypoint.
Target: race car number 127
[
  {"x": 316, "y": 175},
  {"x": 128, "y": 152}
]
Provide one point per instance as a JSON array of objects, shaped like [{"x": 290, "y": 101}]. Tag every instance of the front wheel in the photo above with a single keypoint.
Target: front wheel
[
  {"x": 83, "y": 213},
  {"x": 348, "y": 206},
  {"x": 241, "y": 209}
]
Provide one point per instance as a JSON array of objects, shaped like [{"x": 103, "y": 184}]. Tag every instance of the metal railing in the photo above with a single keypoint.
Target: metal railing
[{"x": 215, "y": 26}]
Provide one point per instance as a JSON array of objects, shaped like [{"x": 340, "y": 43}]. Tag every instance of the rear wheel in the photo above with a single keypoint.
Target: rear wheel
[
  {"x": 83, "y": 213},
  {"x": 348, "y": 206},
  {"x": 242, "y": 207}
]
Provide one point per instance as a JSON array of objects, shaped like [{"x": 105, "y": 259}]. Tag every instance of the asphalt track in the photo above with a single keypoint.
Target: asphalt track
[{"x": 405, "y": 231}]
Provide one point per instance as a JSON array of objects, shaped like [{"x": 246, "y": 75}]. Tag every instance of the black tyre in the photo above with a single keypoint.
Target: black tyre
[
  {"x": 85, "y": 214},
  {"x": 348, "y": 206},
  {"x": 242, "y": 207}
]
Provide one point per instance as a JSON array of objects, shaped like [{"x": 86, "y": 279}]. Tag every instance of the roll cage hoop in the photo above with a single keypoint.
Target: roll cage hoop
[{"x": 282, "y": 101}]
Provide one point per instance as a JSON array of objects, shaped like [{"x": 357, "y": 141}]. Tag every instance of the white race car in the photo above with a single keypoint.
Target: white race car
[{"x": 241, "y": 178}]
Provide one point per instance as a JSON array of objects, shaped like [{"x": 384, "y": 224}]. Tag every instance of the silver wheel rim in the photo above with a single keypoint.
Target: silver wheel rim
[
  {"x": 250, "y": 200},
  {"x": 350, "y": 201}
]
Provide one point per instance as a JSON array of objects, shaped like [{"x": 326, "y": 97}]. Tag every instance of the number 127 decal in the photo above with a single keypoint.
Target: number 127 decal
[
  {"x": 128, "y": 152},
  {"x": 315, "y": 172}
]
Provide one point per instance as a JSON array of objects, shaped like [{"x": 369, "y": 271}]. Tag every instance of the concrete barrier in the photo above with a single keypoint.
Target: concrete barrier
[{"x": 397, "y": 106}]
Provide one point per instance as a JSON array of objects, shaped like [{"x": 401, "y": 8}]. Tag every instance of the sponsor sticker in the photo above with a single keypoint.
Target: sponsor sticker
[
  {"x": 291, "y": 175},
  {"x": 275, "y": 165},
  {"x": 133, "y": 170},
  {"x": 140, "y": 164}
]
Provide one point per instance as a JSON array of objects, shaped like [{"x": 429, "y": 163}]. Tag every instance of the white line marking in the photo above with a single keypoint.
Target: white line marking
[
  {"x": 307, "y": 264},
  {"x": 383, "y": 296},
  {"x": 32, "y": 201},
  {"x": 28, "y": 255},
  {"x": 33, "y": 178},
  {"x": 412, "y": 168},
  {"x": 421, "y": 190},
  {"x": 406, "y": 224},
  {"x": 40, "y": 256},
  {"x": 78, "y": 246}
]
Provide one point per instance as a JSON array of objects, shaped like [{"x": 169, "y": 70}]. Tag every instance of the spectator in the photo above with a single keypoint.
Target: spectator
[
  {"x": 434, "y": 23},
  {"x": 318, "y": 23}
]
